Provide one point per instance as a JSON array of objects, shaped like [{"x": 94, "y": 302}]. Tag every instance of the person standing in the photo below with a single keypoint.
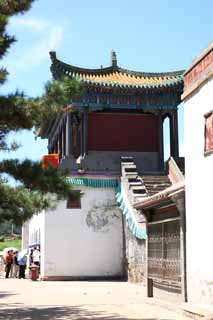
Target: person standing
[
  {"x": 31, "y": 257},
  {"x": 36, "y": 257},
  {"x": 15, "y": 265},
  {"x": 22, "y": 267},
  {"x": 11, "y": 269},
  {"x": 9, "y": 262}
]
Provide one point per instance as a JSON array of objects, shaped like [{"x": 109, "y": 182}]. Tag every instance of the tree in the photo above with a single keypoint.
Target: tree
[{"x": 38, "y": 189}]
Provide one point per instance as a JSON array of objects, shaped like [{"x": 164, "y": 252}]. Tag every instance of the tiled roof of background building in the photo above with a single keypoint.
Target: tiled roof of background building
[{"x": 115, "y": 76}]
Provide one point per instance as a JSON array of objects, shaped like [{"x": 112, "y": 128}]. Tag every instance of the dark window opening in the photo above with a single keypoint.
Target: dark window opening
[
  {"x": 74, "y": 200},
  {"x": 208, "y": 143}
]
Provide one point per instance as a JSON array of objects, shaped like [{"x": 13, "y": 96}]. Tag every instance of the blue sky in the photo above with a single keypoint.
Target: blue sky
[{"x": 153, "y": 35}]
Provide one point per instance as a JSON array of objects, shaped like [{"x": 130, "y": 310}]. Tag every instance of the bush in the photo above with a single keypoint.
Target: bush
[{"x": 2, "y": 239}]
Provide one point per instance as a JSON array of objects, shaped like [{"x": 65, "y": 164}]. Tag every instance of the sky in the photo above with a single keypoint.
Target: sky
[{"x": 151, "y": 35}]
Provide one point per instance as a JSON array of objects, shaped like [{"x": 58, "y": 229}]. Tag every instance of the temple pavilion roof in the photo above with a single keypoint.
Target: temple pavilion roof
[{"x": 115, "y": 76}]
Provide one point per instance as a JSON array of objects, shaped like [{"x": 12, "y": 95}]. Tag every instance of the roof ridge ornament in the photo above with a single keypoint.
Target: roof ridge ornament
[
  {"x": 52, "y": 55},
  {"x": 113, "y": 58}
]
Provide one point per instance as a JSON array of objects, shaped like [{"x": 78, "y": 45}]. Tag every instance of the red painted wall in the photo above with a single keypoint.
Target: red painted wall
[{"x": 123, "y": 132}]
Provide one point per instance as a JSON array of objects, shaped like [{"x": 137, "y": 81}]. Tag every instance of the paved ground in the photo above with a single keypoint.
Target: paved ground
[{"x": 28, "y": 300}]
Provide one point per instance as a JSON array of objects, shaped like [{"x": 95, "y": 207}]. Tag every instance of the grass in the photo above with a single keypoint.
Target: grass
[{"x": 16, "y": 243}]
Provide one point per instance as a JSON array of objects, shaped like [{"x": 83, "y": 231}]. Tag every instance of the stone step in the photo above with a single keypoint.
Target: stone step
[
  {"x": 130, "y": 167},
  {"x": 155, "y": 183},
  {"x": 162, "y": 185},
  {"x": 138, "y": 187},
  {"x": 135, "y": 184},
  {"x": 134, "y": 180},
  {"x": 165, "y": 178},
  {"x": 160, "y": 176},
  {"x": 131, "y": 174},
  {"x": 139, "y": 191},
  {"x": 131, "y": 171},
  {"x": 151, "y": 185},
  {"x": 156, "y": 188},
  {"x": 140, "y": 195},
  {"x": 127, "y": 159}
]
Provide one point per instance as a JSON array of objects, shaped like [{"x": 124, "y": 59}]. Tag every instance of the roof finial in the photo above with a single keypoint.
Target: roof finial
[
  {"x": 113, "y": 58},
  {"x": 52, "y": 55}
]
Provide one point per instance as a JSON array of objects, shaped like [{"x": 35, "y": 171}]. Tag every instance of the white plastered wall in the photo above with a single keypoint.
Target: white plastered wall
[
  {"x": 86, "y": 242},
  {"x": 25, "y": 235},
  {"x": 37, "y": 234},
  {"x": 199, "y": 194}
]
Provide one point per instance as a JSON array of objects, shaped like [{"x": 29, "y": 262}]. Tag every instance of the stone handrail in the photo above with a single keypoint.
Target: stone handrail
[{"x": 174, "y": 173}]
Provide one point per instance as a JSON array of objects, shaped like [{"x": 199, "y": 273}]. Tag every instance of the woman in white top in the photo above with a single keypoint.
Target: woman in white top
[{"x": 36, "y": 256}]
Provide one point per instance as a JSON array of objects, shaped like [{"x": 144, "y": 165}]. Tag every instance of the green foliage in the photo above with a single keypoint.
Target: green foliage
[
  {"x": 18, "y": 203},
  {"x": 15, "y": 243},
  {"x": 11, "y": 7},
  {"x": 57, "y": 96},
  {"x": 38, "y": 189},
  {"x": 7, "y": 9},
  {"x": 33, "y": 177}
]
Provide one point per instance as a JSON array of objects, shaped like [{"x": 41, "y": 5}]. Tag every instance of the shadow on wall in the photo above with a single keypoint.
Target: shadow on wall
[{"x": 59, "y": 312}]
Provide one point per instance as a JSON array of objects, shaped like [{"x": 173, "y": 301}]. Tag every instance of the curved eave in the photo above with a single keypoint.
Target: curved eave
[
  {"x": 114, "y": 84},
  {"x": 58, "y": 68}
]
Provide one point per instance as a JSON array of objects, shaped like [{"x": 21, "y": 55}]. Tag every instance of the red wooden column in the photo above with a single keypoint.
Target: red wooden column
[
  {"x": 160, "y": 141},
  {"x": 56, "y": 145},
  {"x": 63, "y": 138},
  {"x": 85, "y": 131},
  {"x": 69, "y": 136},
  {"x": 60, "y": 143},
  {"x": 81, "y": 134},
  {"x": 174, "y": 145}
]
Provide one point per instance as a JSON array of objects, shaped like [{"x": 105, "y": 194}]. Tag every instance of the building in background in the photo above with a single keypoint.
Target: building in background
[{"x": 111, "y": 141}]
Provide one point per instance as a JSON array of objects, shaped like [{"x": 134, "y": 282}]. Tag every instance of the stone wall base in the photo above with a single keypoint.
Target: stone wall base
[
  {"x": 136, "y": 273},
  {"x": 82, "y": 278}
]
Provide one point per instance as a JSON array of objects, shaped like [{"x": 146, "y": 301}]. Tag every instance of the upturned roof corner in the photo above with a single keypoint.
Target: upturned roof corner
[{"x": 115, "y": 76}]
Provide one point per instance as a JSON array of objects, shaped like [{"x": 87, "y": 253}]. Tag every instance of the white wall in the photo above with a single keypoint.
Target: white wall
[
  {"x": 87, "y": 241},
  {"x": 25, "y": 235},
  {"x": 199, "y": 194},
  {"x": 36, "y": 231},
  {"x": 36, "y": 228}
]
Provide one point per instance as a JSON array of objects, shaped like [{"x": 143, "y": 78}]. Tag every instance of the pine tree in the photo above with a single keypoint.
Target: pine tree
[{"x": 39, "y": 189}]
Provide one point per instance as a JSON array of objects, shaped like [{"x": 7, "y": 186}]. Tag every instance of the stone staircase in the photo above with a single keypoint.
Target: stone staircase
[
  {"x": 155, "y": 183},
  {"x": 140, "y": 187},
  {"x": 133, "y": 182},
  {"x": 136, "y": 188}
]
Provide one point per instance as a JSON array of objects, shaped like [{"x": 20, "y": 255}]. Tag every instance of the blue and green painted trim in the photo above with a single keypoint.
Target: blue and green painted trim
[
  {"x": 132, "y": 224},
  {"x": 94, "y": 182}
]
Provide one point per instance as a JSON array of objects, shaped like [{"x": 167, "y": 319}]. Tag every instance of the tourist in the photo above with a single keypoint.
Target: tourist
[
  {"x": 36, "y": 256},
  {"x": 11, "y": 269},
  {"x": 15, "y": 265},
  {"x": 9, "y": 262},
  {"x": 22, "y": 267},
  {"x": 31, "y": 257}
]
